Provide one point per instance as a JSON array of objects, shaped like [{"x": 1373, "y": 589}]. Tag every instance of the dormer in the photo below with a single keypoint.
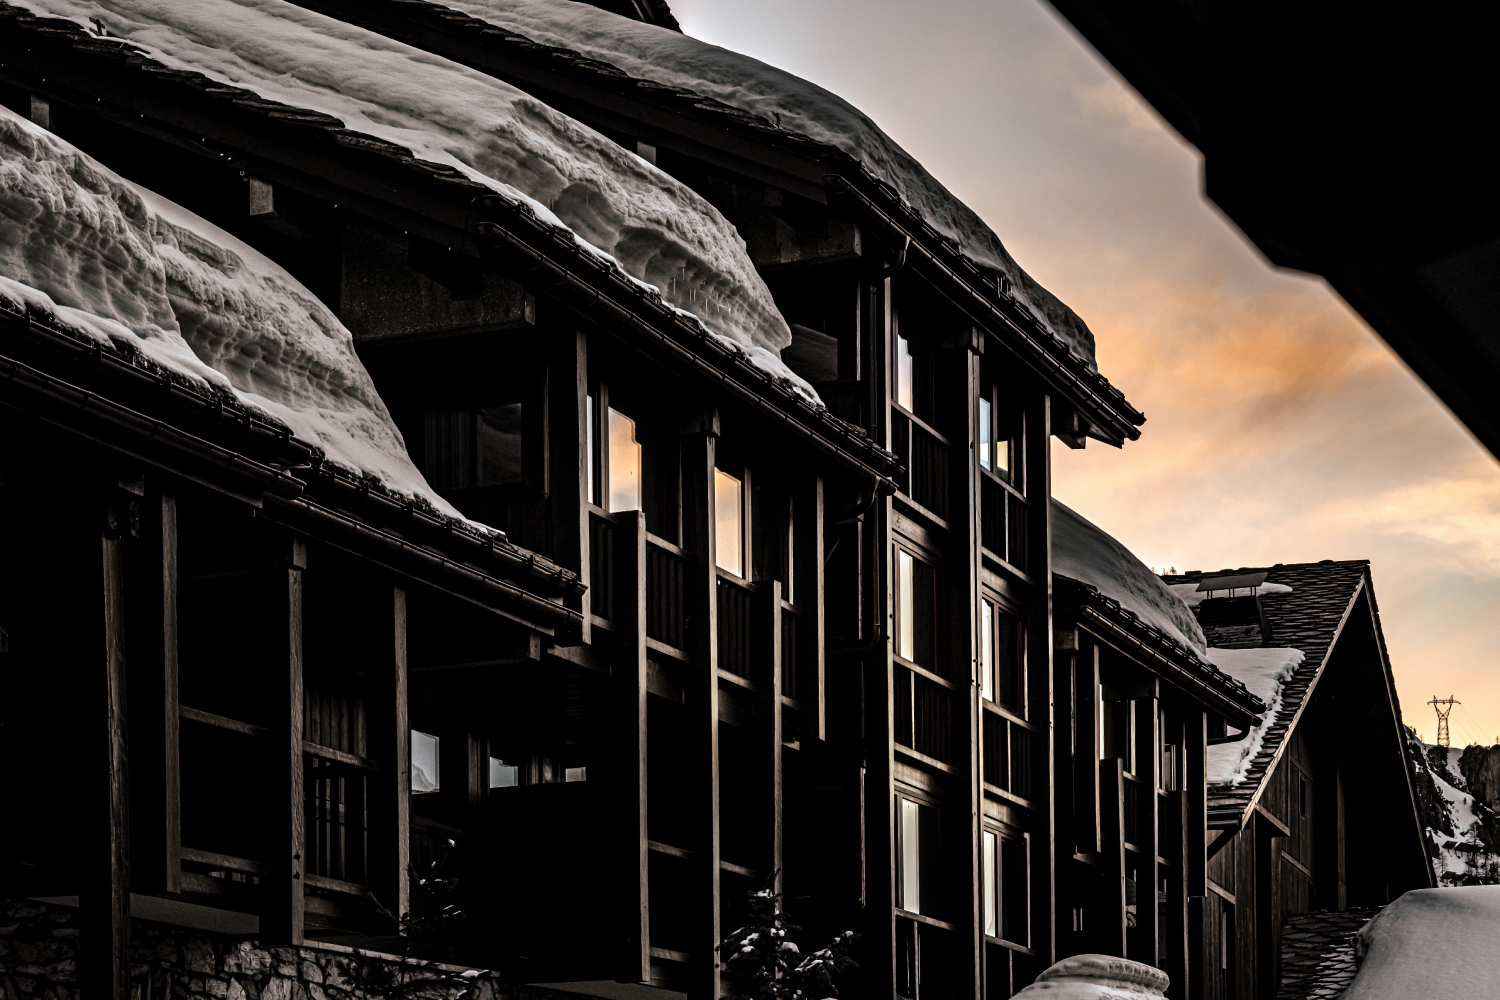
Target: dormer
[{"x": 1230, "y": 612}]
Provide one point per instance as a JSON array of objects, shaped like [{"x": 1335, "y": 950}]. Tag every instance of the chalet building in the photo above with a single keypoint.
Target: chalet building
[
  {"x": 584, "y": 576},
  {"x": 1291, "y": 815}
]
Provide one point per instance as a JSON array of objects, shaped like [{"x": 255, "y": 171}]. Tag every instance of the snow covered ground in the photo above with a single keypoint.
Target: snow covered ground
[
  {"x": 617, "y": 205},
  {"x": 89, "y": 251},
  {"x": 1097, "y": 977},
  {"x": 1264, "y": 671},
  {"x": 1431, "y": 943},
  {"x": 1082, "y": 551},
  {"x": 668, "y": 58}
]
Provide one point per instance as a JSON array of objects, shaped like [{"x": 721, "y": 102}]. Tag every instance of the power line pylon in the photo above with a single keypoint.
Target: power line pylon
[{"x": 1442, "y": 714}]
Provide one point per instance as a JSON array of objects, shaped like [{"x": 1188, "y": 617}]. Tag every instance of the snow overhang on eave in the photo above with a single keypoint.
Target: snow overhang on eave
[
  {"x": 434, "y": 200},
  {"x": 739, "y": 141},
  {"x": 1161, "y": 654}
]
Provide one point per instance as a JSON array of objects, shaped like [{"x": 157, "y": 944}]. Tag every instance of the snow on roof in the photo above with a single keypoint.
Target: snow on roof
[
  {"x": 1081, "y": 551},
  {"x": 93, "y": 253},
  {"x": 1431, "y": 943},
  {"x": 1265, "y": 672},
  {"x": 1192, "y": 596},
  {"x": 662, "y": 56},
  {"x": 618, "y": 206}
]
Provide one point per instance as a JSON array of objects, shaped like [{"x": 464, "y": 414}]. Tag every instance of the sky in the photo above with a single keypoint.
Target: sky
[{"x": 1280, "y": 428}]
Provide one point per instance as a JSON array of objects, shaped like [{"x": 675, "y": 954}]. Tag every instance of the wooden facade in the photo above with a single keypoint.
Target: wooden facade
[{"x": 727, "y": 635}]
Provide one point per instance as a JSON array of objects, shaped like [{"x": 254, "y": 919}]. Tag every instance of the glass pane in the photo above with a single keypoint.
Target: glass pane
[
  {"x": 498, "y": 434},
  {"x": 911, "y": 843},
  {"x": 503, "y": 775},
  {"x": 1009, "y": 663},
  {"x": 1002, "y": 459},
  {"x": 1015, "y": 901},
  {"x": 985, "y": 435},
  {"x": 576, "y": 774},
  {"x": 906, "y": 606},
  {"x": 903, "y": 375},
  {"x": 987, "y": 650},
  {"x": 989, "y": 861},
  {"x": 624, "y": 463},
  {"x": 593, "y": 458},
  {"x": 424, "y": 762},
  {"x": 729, "y": 548}
]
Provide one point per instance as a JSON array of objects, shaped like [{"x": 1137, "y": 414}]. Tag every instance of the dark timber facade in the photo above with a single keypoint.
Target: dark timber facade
[{"x": 728, "y": 636}]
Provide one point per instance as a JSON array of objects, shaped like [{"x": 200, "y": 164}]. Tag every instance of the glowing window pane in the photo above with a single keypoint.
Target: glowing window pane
[
  {"x": 624, "y": 463},
  {"x": 592, "y": 457},
  {"x": 906, "y": 607},
  {"x": 903, "y": 373},
  {"x": 991, "y": 903},
  {"x": 503, "y": 775},
  {"x": 987, "y": 650},
  {"x": 911, "y": 857},
  {"x": 728, "y": 530},
  {"x": 575, "y": 774},
  {"x": 424, "y": 762},
  {"x": 985, "y": 449}
]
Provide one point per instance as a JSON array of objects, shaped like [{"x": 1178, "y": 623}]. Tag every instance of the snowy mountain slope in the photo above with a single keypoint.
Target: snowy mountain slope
[
  {"x": 1264, "y": 671},
  {"x": 617, "y": 206},
  {"x": 1462, "y": 828},
  {"x": 91, "y": 252},
  {"x": 667, "y": 58}
]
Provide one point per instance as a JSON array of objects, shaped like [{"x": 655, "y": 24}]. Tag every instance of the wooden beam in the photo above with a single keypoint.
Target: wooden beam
[
  {"x": 1086, "y": 791},
  {"x": 281, "y": 921},
  {"x": 389, "y": 741},
  {"x": 771, "y": 618},
  {"x": 1110, "y": 938},
  {"x": 570, "y": 524},
  {"x": 811, "y": 514},
  {"x": 1048, "y": 838},
  {"x": 631, "y": 672}
]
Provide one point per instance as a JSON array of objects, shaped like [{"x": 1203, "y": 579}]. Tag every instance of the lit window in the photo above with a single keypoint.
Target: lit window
[
  {"x": 918, "y": 853},
  {"x": 991, "y": 874},
  {"x": 575, "y": 774},
  {"x": 503, "y": 775},
  {"x": 986, "y": 436},
  {"x": 729, "y": 548},
  {"x": 424, "y": 762},
  {"x": 903, "y": 372},
  {"x": 593, "y": 457},
  {"x": 1002, "y": 458},
  {"x": 987, "y": 650},
  {"x": 906, "y": 621},
  {"x": 624, "y": 463}
]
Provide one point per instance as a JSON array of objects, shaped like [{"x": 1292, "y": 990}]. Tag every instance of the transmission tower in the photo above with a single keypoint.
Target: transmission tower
[{"x": 1442, "y": 714}]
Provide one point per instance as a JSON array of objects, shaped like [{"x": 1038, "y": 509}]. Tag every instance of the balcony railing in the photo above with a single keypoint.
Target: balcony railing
[
  {"x": 1007, "y": 754},
  {"x": 929, "y": 960},
  {"x": 666, "y": 611},
  {"x": 736, "y": 628},
  {"x": 601, "y": 567},
  {"x": 924, "y": 715},
  {"x": 925, "y": 455},
  {"x": 1003, "y": 518}
]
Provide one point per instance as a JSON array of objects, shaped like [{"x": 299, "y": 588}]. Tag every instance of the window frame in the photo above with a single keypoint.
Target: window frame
[
  {"x": 992, "y": 872},
  {"x": 902, "y": 546}
]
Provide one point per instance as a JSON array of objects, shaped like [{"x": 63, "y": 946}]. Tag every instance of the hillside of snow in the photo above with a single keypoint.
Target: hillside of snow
[
  {"x": 665, "y": 57},
  {"x": 89, "y": 251},
  {"x": 1265, "y": 672},
  {"x": 618, "y": 206},
  {"x": 1431, "y": 943},
  {"x": 1460, "y": 810}
]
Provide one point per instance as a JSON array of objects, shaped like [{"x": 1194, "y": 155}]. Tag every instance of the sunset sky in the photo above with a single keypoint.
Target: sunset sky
[{"x": 1280, "y": 428}]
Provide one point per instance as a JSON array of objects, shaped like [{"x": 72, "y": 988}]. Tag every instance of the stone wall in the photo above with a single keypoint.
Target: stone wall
[{"x": 38, "y": 961}]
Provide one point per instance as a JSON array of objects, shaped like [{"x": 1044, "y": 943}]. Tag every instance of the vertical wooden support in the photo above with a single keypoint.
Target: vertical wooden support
[
  {"x": 569, "y": 441},
  {"x": 631, "y": 666},
  {"x": 812, "y": 668},
  {"x": 171, "y": 715},
  {"x": 1148, "y": 767},
  {"x": 281, "y": 921},
  {"x": 389, "y": 741},
  {"x": 1195, "y": 843},
  {"x": 772, "y": 632},
  {"x": 1039, "y": 653},
  {"x": 1086, "y": 823},
  {"x": 104, "y": 899},
  {"x": 1067, "y": 638},
  {"x": 1184, "y": 841},
  {"x": 698, "y": 451},
  {"x": 1110, "y": 936}
]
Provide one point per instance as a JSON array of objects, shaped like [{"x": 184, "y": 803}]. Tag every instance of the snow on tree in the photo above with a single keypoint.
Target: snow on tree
[{"x": 764, "y": 963}]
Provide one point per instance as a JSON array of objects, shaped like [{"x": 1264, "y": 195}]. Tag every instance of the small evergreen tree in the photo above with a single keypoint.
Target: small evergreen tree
[{"x": 764, "y": 963}]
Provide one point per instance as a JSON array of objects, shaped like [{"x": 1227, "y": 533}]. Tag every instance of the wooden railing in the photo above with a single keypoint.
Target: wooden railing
[
  {"x": 924, "y": 454},
  {"x": 736, "y": 628},
  {"x": 1132, "y": 810},
  {"x": 666, "y": 609},
  {"x": 924, "y": 714},
  {"x": 1002, "y": 521},
  {"x": 601, "y": 566},
  {"x": 1007, "y": 754},
  {"x": 930, "y": 958}
]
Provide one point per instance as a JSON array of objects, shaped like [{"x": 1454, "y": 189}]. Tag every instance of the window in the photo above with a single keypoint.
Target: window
[
  {"x": 918, "y": 853},
  {"x": 1301, "y": 796},
  {"x": 624, "y": 463},
  {"x": 990, "y": 872},
  {"x": 592, "y": 454},
  {"x": 987, "y": 650},
  {"x": 575, "y": 774},
  {"x": 999, "y": 437},
  {"x": 1002, "y": 658},
  {"x": 916, "y": 611},
  {"x": 503, "y": 775},
  {"x": 424, "y": 762},
  {"x": 729, "y": 533},
  {"x": 986, "y": 436},
  {"x": 905, "y": 382},
  {"x": 469, "y": 449},
  {"x": 1006, "y": 893}
]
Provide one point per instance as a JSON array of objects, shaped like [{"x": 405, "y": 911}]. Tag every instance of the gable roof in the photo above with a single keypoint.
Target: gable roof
[{"x": 1309, "y": 618}]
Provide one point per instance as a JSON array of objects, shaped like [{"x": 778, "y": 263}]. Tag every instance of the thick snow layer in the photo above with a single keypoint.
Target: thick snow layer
[
  {"x": 1264, "y": 672},
  {"x": 618, "y": 206},
  {"x": 666, "y": 57},
  {"x": 1098, "y": 977},
  {"x": 1083, "y": 552},
  {"x": 1431, "y": 943},
  {"x": 87, "y": 249},
  {"x": 1192, "y": 598}
]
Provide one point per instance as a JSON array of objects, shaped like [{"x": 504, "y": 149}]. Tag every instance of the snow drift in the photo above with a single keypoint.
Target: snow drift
[
  {"x": 1431, "y": 943},
  {"x": 86, "y": 249},
  {"x": 1097, "y": 977},
  {"x": 618, "y": 206},
  {"x": 1190, "y": 595},
  {"x": 665, "y": 57},
  {"x": 1264, "y": 672},
  {"x": 1081, "y": 551}
]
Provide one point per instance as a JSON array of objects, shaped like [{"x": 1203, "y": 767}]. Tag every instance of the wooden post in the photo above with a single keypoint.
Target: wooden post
[
  {"x": 1086, "y": 793},
  {"x": 1110, "y": 938},
  {"x": 811, "y": 654},
  {"x": 569, "y": 441},
  {"x": 1182, "y": 841},
  {"x": 772, "y": 632},
  {"x": 701, "y": 592},
  {"x": 1149, "y": 836},
  {"x": 281, "y": 921},
  {"x": 389, "y": 740},
  {"x": 104, "y": 899},
  {"x": 1039, "y": 653},
  {"x": 1195, "y": 843},
  {"x": 631, "y": 667}
]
